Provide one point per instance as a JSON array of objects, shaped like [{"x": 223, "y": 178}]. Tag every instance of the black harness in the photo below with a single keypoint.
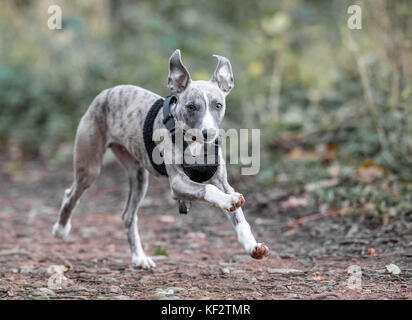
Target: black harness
[{"x": 198, "y": 172}]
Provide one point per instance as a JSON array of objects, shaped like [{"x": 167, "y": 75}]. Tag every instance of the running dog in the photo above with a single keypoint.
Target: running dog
[{"x": 115, "y": 120}]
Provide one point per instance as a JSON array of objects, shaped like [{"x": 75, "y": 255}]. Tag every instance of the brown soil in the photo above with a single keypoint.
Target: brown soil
[{"x": 204, "y": 258}]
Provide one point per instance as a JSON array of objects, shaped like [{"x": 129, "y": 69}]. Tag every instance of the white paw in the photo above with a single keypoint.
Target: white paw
[
  {"x": 144, "y": 262},
  {"x": 61, "y": 232},
  {"x": 234, "y": 201},
  {"x": 259, "y": 251}
]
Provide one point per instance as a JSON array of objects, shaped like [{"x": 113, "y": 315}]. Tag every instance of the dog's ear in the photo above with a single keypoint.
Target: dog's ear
[
  {"x": 223, "y": 75},
  {"x": 179, "y": 77}
]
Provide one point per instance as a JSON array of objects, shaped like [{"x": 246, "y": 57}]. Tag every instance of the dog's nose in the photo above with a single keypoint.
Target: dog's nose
[{"x": 208, "y": 133}]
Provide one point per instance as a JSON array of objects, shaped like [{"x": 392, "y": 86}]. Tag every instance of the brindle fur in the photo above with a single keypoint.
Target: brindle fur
[{"x": 115, "y": 120}]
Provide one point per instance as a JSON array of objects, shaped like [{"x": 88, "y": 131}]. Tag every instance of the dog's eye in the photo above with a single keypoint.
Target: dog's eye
[
  {"x": 218, "y": 106},
  {"x": 191, "y": 107}
]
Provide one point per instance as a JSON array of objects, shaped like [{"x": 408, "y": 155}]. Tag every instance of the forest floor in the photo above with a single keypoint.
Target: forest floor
[{"x": 197, "y": 255}]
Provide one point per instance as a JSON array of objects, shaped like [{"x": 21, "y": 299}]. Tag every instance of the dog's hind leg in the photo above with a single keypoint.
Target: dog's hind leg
[
  {"x": 88, "y": 154},
  {"x": 138, "y": 183}
]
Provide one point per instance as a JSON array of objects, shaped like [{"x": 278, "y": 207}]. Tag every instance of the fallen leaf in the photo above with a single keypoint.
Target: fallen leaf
[
  {"x": 368, "y": 208},
  {"x": 299, "y": 154},
  {"x": 371, "y": 252},
  {"x": 327, "y": 152},
  {"x": 393, "y": 269},
  {"x": 225, "y": 270},
  {"x": 370, "y": 171},
  {"x": 294, "y": 202},
  {"x": 318, "y": 277}
]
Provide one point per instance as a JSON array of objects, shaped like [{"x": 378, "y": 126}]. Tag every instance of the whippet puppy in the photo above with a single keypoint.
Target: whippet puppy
[{"x": 115, "y": 120}]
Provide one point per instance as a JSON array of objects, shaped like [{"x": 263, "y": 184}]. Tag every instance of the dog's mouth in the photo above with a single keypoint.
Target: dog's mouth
[{"x": 201, "y": 148}]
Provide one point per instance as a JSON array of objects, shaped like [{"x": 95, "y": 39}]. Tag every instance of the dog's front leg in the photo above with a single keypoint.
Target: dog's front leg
[
  {"x": 185, "y": 189},
  {"x": 238, "y": 220}
]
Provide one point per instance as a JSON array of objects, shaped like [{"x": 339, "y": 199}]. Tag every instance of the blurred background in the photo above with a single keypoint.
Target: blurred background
[{"x": 334, "y": 104}]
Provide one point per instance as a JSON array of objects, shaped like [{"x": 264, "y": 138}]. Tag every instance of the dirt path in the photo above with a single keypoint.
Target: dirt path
[{"x": 310, "y": 254}]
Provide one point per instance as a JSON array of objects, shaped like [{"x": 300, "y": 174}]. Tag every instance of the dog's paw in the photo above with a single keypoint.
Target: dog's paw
[
  {"x": 259, "y": 251},
  {"x": 60, "y": 231},
  {"x": 236, "y": 201},
  {"x": 143, "y": 262}
]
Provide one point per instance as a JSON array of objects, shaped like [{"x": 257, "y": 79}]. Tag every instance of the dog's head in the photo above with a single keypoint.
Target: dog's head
[{"x": 201, "y": 104}]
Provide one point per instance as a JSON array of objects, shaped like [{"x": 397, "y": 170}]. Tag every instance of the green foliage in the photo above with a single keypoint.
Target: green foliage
[
  {"x": 160, "y": 251},
  {"x": 386, "y": 198},
  {"x": 299, "y": 72}
]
